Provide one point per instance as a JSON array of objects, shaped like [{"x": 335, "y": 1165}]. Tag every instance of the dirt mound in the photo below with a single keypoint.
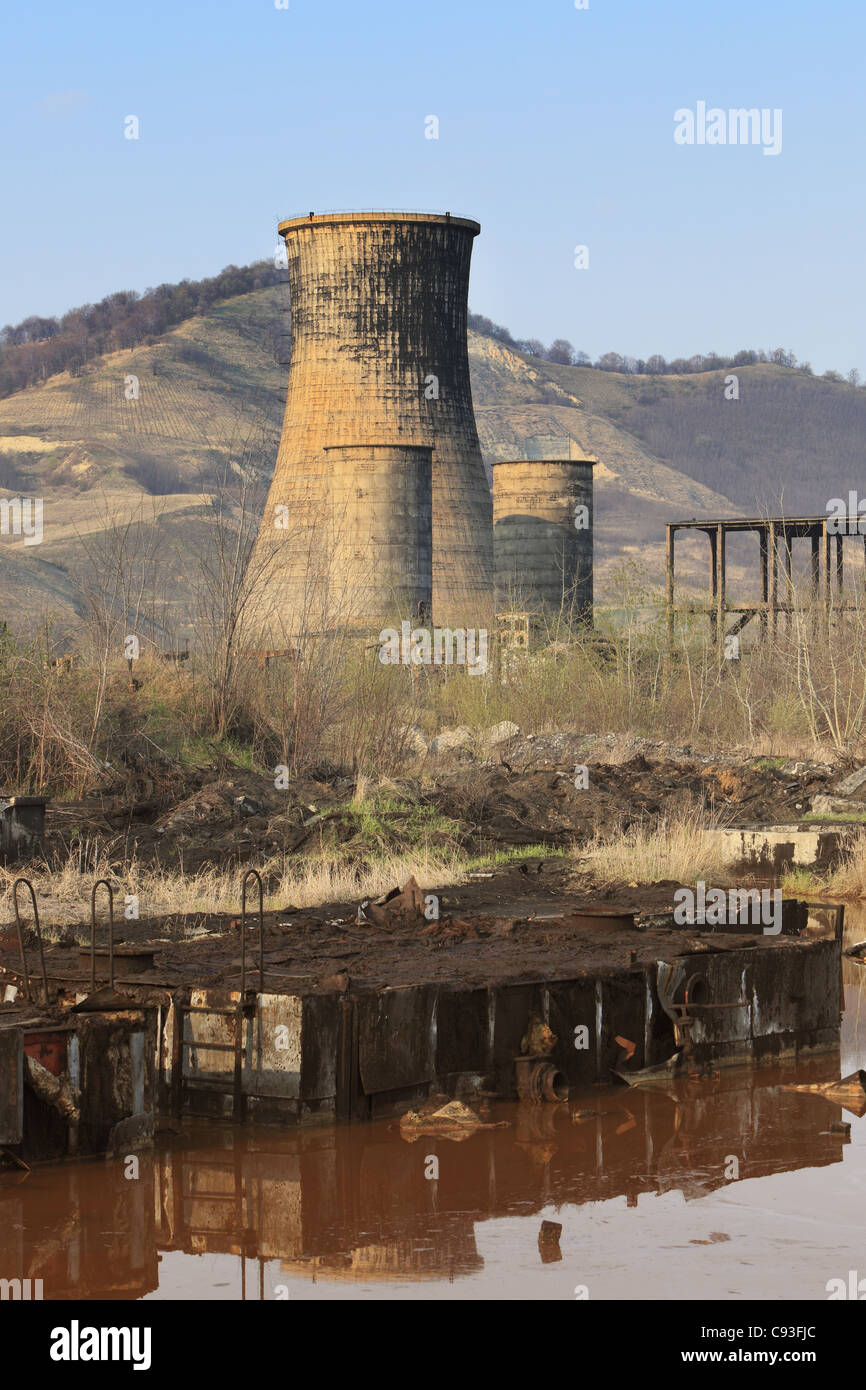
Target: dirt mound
[{"x": 549, "y": 791}]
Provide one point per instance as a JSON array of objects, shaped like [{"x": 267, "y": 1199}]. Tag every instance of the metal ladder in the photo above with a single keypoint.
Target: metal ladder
[{"x": 238, "y": 1013}]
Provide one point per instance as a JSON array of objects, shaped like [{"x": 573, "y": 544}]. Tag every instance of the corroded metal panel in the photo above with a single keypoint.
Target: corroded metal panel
[
  {"x": 11, "y": 1086},
  {"x": 573, "y": 1016},
  {"x": 272, "y": 1053},
  {"x": 463, "y": 1032},
  {"x": 320, "y": 1044},
  {"x": 396, "y": 1041}
]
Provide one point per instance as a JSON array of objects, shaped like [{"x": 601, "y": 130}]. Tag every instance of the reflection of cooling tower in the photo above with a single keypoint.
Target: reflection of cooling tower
[
  {"x": 542, "y": 534},
  {"x": 379, "y": 364}
]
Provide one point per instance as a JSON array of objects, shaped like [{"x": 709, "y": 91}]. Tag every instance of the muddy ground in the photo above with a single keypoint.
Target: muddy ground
[
  {"x": 523, "y": 795},
  {"x": 523, "y": 923},
  {"x": 492, "y": 926}
]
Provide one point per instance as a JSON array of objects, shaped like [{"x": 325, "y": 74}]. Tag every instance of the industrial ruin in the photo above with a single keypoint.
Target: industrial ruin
[
  {"x": 379, "y": 510},
  {"x": 779, "y": 599},
  {"x": 542, "y": 535},
  {"x": 379, "y": 503},
  {"x": 424, "y": 1009}
]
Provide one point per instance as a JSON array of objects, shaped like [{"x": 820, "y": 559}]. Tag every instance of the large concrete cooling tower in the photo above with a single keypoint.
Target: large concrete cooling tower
[
  {"x": 379, "y": 370},
  {"x": 542, "y": 535}
]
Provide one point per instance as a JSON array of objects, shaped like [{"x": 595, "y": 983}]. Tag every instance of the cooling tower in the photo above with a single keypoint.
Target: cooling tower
[
  {"x": 381, "y": 547},
  {"x": 542, "y": 535},
  {"x": 379, "y": 363}
]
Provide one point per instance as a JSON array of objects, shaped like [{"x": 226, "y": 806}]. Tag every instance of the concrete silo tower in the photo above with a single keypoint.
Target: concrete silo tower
[
  {"x": 542, "y": 535},
  {"x": 379, "y": 375}
]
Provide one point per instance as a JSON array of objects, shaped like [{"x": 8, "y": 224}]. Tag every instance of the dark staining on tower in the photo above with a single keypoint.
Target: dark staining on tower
[
  {"x": 379, "y": 305},
  {"x": 543, "y": 536}
]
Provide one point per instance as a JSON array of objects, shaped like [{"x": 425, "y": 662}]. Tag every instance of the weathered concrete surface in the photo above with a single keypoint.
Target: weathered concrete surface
[
  {"x": 772, "y": 850},
  {"x": 542, "y": 542},
  {"x": 852, "y": 783},
  {"x": 381, "y": 532},
  {"x": 379, "y": 357}
]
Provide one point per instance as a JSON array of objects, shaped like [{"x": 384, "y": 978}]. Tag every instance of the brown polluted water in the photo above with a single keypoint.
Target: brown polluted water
[{"x": 728, "y": 1187}]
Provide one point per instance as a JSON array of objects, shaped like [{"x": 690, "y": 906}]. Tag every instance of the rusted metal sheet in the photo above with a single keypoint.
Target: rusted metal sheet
[
  {"x": 745, "y": 1005},
  {"x": 621, "y": 1006},
  {"x": 272, "y": 1054},
  {"x": 396, "y": 1038},
  {"x": 320, "y": 1044},
  {"x": 513, "y": 1006},
  {"x": 573, "y": 1015},
  {"x": 22, "y": 825},
  {"x": 462, "y": 1032},
  {"x": 11, "y": 1086},
  {"x": 49, "y": 1046},
  {"x": 115, "y": 1064}
]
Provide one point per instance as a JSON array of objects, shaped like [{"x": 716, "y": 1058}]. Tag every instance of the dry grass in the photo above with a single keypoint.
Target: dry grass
[
  {"x": 848, "y": 879},
  {"x": 681, "y": 846},
  {"x": 64, "y": 894}
]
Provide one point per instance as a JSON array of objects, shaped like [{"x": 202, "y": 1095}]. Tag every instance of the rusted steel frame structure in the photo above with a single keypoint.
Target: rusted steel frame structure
[{"x": 776, "y": 536}]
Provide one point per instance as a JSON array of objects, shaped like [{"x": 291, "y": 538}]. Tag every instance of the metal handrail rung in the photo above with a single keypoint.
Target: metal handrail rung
[{"x": 228, "y": 1013}]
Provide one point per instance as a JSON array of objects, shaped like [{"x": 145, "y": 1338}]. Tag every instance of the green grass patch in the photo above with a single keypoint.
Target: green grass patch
[
  {"x": 501, "y": 858},
  {"x": 798, "y": 882},
  {"x": 195, "y": 752},
  {"x": 387, "y": 817}
]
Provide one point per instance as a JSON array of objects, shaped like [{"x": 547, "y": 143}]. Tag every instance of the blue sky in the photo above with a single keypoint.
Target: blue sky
[{"x": 555, "y": 129}]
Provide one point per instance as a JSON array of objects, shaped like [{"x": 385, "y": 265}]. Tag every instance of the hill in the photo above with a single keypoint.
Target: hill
[{"x": 144, "y": 434}]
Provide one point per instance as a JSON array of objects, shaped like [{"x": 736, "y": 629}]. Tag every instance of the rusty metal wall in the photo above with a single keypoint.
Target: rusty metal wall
[
  {"x": 355, "y": 1057},
  {"x": 11, "y": 1086}
]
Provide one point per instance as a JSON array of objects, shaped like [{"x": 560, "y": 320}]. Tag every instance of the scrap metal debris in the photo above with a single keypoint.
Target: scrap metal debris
[
  {"x": 444, "y": 1119},
  {"x": 400, "y": 907},
  {"x": 548, "y": 1242},
  {"x": 850, "y": 1092},
  {"x": 61, "y": 1095},
  {"x": 663, "y": 1072}
]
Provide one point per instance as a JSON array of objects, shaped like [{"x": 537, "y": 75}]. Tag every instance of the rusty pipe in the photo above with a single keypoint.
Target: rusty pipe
[{"x": 539, "y": 1079}]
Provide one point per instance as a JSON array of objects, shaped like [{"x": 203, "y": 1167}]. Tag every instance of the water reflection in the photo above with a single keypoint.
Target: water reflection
[{"x": 361, "y": 1205}]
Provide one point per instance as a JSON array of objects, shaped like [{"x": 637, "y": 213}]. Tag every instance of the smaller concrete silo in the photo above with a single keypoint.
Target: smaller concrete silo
[
  {"x": 381, "y": 533},
  {"x": 542, "y": 536}
]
